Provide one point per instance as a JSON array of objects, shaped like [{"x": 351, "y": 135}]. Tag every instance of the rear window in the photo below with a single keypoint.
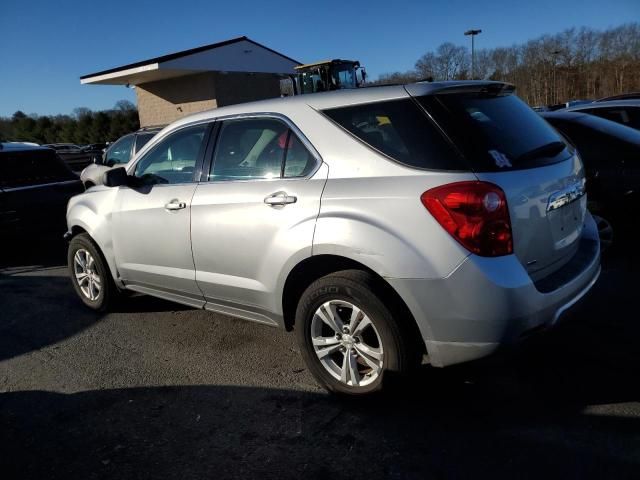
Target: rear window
[
  {"x": 495, "y": 132},
  {"x": 400, "y": 130},
  {"x": 32, "y": 167}
]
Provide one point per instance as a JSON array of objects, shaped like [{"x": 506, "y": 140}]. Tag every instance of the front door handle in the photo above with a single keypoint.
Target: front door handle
[
  {"x": 175, "y": 205},
  {"x": 279, "y": 199}
]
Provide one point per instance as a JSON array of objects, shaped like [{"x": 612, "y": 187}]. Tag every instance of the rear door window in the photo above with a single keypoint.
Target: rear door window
[
  {"x": 32, "y": 167},
  {"x": 496, "y": 131},
  {"x": 400, "y": 130},
  {"x": 259, "y": 148}
]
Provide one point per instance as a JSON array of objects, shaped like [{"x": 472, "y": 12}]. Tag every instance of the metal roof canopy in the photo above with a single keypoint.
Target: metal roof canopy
[{"x": 236, "y": 55}]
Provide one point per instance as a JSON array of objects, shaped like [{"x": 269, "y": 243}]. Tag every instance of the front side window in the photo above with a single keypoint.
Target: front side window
[
  {"x": 173, "y": 159},
  {"x": 257, "y": 148},
  {"x": 120, "y": 152}
]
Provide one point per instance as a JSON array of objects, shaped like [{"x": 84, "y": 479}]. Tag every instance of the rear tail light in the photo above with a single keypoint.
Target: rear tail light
[{"x": 475, "y": 214}]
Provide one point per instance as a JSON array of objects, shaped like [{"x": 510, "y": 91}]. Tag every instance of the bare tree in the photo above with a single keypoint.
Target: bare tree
[{"x": 573, "y": 64}]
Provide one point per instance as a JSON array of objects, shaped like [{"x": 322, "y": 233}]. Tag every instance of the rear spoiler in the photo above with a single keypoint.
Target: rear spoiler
[{"x": 483, "y": 88}]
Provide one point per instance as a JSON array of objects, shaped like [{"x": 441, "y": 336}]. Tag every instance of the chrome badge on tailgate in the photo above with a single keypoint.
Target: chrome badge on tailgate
[{"x": 567, "y": 195}]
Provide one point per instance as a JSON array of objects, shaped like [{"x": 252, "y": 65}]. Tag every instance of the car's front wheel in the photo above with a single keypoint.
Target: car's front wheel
[
  {"x": 90, "y": 274},
  {"x": 349, "y": 337}
]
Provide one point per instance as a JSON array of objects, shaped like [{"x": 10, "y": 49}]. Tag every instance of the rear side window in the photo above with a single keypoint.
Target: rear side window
[
  {"x": 32, "y": 167},
  {"x": 400, "y": 130},
  {"x": 496, "y": 132},
  {"x": 257, "y": 148}
]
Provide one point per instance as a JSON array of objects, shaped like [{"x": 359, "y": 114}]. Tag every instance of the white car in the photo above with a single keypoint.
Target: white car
[{"x": 380, "y": 224}]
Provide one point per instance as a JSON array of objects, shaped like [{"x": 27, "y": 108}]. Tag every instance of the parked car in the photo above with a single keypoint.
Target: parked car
[
  {"x": 95, "y": 151},
  {"x": 118, "y": 153},
  {"x": 73, "y": 155},
  {"x": 35, "y": 186},
  {"x": 625, "y": 112},
  {"x": 611, "y": 155},
  {"x": 622, "y": 96},
  {"x": 375, "y": 230}
]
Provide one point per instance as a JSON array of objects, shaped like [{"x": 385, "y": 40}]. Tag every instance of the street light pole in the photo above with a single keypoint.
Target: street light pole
[
  {"x": 555, "y": 54},
  {"x": 472, "y": 33}
]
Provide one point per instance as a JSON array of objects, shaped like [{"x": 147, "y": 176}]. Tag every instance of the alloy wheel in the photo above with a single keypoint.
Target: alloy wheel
[
  {"x": 87, "y": 277},
  {"x": 347, "y": 343}
]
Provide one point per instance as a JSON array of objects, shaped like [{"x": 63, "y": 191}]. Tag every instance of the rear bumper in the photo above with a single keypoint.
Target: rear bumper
[{"x": 487, "y": 302}]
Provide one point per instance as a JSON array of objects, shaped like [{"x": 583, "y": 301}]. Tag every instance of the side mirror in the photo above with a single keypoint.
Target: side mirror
[{"x": 115, "y": 177}]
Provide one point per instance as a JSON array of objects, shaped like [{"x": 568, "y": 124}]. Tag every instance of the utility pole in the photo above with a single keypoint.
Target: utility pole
[
  {"x": 472, "y": 33},
  {"x": 555, "y": 54}
]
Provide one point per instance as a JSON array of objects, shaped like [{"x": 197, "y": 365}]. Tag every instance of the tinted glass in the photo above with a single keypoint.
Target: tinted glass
[
  {"x": 610, "y": 128},
  {"x": 629, "y": 117},
  {"x": 120, "y": 152},
  {"x": 249, "y": 148},
  {"x": 173, "y": 160},
  {"x": 400, "y": 130},
  {"x": 600, "y": 143},
  {"x": 35, "y": 167},
  {"x": 299, "y": 162},
  {"x": 142, "y": 139},
  {"x": 495, "y": 132}
]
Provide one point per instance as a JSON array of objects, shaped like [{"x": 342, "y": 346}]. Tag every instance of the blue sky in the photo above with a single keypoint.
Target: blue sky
[{"x": 45, "y": 45}]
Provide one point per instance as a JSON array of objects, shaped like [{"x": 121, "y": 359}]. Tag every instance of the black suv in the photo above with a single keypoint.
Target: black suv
[{"x": 35, "y": 186}]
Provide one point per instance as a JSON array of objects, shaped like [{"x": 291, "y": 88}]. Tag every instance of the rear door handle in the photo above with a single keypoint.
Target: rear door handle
[
  {"x": 175, "y": 205},
  {"x": 280, "y": 198}
]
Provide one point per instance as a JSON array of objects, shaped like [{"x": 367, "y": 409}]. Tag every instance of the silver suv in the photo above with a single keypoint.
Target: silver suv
[{"x": 383, "y": 225}]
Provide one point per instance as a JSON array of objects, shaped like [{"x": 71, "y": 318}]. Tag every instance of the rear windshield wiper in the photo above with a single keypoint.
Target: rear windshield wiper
[{"x": 548, "y": 150}]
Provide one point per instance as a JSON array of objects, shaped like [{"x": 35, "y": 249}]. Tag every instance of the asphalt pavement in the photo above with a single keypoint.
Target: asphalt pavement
[{"x": 156, "y": 390}]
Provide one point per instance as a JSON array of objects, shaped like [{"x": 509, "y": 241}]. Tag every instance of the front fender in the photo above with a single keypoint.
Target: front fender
[{"x": 91, "y": 211}]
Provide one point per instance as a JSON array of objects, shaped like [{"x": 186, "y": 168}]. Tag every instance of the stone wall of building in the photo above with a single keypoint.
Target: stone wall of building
[
  {"x": 163, "y": 101},
  {"x": 235, "y": 87}
]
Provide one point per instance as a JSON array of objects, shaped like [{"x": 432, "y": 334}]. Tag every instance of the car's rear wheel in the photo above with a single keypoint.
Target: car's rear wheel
[
  {"x": 349, "y": 337},
  {"x": 90, "y": 274}
]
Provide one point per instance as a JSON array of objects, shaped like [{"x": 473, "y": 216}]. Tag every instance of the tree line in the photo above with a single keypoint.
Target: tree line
[
  {"x": 82, "y": 127},
  {"x": 578, "y": 63}
]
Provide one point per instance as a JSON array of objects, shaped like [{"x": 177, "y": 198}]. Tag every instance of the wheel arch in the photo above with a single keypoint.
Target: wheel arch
[{"x": 312, "y": 268}]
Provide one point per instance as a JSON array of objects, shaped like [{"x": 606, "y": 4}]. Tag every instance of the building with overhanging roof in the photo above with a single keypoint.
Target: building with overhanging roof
[{"x": 224, "y": 73}]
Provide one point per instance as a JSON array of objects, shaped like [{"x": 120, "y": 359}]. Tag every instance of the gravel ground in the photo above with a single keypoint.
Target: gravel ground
[{"x": 155, "y": 390}]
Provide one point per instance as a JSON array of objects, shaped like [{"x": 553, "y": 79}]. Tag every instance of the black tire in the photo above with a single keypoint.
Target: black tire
[
  {"x": 402, "y": 353},
  {"x": 108, "y": 291}
]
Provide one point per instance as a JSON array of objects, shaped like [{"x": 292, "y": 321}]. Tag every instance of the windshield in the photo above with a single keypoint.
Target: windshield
[
  {"x": 343, "y": 76},
  {"x": 495, "y": 132}
]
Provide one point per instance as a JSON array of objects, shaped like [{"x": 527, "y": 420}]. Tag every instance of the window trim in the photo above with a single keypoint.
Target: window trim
[
  {"x": 213, "y": 145},
  {"x": 197, "y": 171}
]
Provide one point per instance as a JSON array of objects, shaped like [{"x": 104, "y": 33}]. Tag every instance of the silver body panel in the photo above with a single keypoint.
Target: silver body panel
[{"x": 229, "y": 251}]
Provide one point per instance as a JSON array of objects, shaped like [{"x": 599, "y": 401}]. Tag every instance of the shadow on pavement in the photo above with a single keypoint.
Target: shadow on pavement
[
  {"x": 562, "y": 406},
  {"x": 450, "y": 430}
]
